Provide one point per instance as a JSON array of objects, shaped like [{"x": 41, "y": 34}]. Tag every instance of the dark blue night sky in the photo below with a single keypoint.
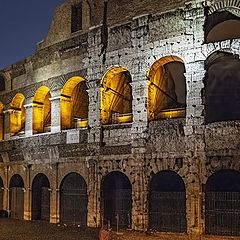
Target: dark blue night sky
[{"x": 23, "y": 24}]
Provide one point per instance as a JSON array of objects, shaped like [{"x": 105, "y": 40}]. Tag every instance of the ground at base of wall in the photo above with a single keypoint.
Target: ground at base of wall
[
  {"x": 134, "y": 235},
  {"x": 38, "y": 230}
]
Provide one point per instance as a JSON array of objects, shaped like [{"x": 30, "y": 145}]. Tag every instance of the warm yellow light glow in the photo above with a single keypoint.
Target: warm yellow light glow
[
  {"x": 81, "y": 123},
  {"x": 122, "y": 118},
  {"x": 172, "y": 113},
  {"x": 41, "y": 110},
  {"x": 165, "y": 92},
  {"x": 18, "y": 115},
  {"x": 74, "y": 103},
  {"x": 116, "y": 95}
]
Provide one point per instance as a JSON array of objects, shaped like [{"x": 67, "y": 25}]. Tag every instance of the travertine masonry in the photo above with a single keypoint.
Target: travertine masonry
[{"x": 138, "y": 34}]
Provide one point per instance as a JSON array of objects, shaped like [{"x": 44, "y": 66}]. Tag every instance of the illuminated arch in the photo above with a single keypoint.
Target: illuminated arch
[
  {"x": 221, "y": 26},
  {"x": 116, "y": 96},
  {"x": 74, "y": 103},
  {"x": 166, "y": 88},
  {"x": 42, "y": 110},
  {"x": 18, "y": 114},
  {"x": 1, "y": 121}
]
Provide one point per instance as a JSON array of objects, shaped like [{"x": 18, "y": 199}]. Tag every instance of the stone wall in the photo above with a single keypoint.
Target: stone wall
[{"x": 136, "y": 35}]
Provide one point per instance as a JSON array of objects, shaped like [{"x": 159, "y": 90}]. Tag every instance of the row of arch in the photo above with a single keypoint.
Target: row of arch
[
  {"x": 167, "y": 201},
  {"x": 166, "y": 96}
]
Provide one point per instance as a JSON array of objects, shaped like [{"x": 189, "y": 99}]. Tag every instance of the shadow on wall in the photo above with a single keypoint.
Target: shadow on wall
[{"x": 222, "y": 87}]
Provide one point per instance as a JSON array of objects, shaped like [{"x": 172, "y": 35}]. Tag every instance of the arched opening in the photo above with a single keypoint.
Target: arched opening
[
  {"x": 116, "y": 96},
  {"x": 74, "y": 104},
  {"x": 222, "y": 87},
  {"x": 42, "y": 110},
  {"x": 16, "y": 197},
  {"x": 2, "y": 83},
  {"x": 166, "y": 89},
  {"x": 221, "y": 26},
  {"x": 1, "y": 121},
  {"x": 1, "y": 194},
  {"x": 167, "y": 203},
  {"x": 117, "y": 200},
  {"x": 222, "y": 203},
  {"x": 40, "y": 198},
  {"x": 18, "y": 115},
  {"x": 73, "y": 200}
]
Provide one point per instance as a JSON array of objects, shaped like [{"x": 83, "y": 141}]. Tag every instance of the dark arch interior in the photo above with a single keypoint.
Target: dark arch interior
[
  {"x": 16, "y": 181},
  {"x": 222, "y": 87},
  {"x": 16, "y": 198},
  {"x": 175, "y": 71},
  {"x": 167, "y": 203},
  {"x": 224, "y": 181},
  {"x": 222, "y": 208},
  {"x": 1, "y": 183},
  {"x": 73, "y": 200},
  {"x": 40, "y": 198},
  {"x": 117, "y": 199},
  {"x": 2, "y": 83},
  {"x": 167, "y": 181},
  {"x": 221, "y": 26}
]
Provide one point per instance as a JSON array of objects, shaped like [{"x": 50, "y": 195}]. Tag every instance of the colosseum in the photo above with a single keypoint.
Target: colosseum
[{"x": 125, "y": 113}]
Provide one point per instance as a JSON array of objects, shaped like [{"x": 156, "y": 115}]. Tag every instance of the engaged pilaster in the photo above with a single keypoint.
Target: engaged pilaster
[
  {"x": 55, "y": 112},
  {"x": 29, "y": 117}
]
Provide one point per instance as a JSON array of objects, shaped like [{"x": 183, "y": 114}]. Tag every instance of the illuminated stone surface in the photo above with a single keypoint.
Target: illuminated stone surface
[{"x": 72, "y": 124}]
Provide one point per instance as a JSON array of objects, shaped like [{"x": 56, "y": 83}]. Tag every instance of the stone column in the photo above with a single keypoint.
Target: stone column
[
  {"x": 55, "y": 196},
  {"x": 139, "y": 196},
  {"x": 6, "y": 189},
  {"x": 93, "y": 194},
  {"x": 29, "y": 117},
  {"x": 95, "y": 70},
  {"x": 27, "y": 194},
  {"x": 1, "y": 126},
  {"x": 55, "y": 112},
  {"x": 140, "y": 121},
  {"x": 7, "y": 123},
  {"x": 94, "y": 113}
]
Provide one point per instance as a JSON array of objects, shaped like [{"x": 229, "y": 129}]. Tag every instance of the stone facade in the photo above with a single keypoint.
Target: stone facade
[{"x": 132, "y": 34}]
